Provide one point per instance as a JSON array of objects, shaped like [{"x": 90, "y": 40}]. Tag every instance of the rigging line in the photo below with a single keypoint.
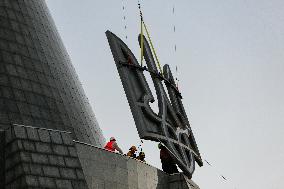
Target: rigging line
[
  {"x": 142, "y": 35},
  {"x": 153, "y": 49},
  {"x": 217, "y": 172},
  {"x": 207, "y": 162},
  {"x": 149, "y": 38},
  {"x": 142, "y": 43},
  {"x": 174, "y": 27},
  {"x": 124, "y": 18},
  {"x": 221, "y": 176},
  {"x": 174, "y": 41}
]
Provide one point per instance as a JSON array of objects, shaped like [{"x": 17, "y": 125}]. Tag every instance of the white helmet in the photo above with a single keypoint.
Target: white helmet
[{"x": 112, "y": 138}]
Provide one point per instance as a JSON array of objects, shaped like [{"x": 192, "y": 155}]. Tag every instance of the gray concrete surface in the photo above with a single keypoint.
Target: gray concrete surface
[
  {"x": 108, "y": 170},
  {"x": 40, "y": 158},
  {"x": 32, "y": 157}
]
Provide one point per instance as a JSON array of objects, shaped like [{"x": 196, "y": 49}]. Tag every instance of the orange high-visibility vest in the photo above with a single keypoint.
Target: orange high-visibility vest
[{"x": 109, "y": 146}]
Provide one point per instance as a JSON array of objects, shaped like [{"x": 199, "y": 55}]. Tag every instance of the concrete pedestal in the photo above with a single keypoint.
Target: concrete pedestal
[
  {"x": 108, "y": 170},
  {"x": 41, "y": 158}
]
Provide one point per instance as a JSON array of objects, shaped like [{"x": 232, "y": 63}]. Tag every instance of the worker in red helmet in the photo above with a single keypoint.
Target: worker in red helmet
[{"x": 112, "y": 145}]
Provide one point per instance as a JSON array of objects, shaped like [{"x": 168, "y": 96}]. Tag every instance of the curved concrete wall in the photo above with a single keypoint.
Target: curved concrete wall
[{"x": 38, "y": 84}]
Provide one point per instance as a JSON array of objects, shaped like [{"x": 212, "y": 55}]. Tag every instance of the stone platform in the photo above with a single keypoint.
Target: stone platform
[
  {"x": 40, "y": 158},
  {"x": 108, "y": 170},
  {"x": 35, "y": 158}
]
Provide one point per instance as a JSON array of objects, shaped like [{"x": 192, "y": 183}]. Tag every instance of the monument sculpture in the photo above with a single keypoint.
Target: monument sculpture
[
  {"x": 49, "y": 136},
  {"x": 170, "y": 126}
]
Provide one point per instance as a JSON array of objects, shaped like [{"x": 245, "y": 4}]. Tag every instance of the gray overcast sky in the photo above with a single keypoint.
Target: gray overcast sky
[{"x": 230, "y": 57}]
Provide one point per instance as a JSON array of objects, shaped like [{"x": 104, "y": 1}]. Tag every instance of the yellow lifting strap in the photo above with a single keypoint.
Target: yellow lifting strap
[
  {"x": 149, "y": 38},
  {"x": 142, "y": 36},
  {"x": 142, "y": 42},
  {"x": 153, "y": 49}
]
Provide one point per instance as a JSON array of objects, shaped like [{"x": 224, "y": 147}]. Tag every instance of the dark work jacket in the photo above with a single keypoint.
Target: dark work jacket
[{"x": 165, "y": 156}]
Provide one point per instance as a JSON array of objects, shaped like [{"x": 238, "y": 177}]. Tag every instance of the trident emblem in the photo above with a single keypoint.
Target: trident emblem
[{"x": 170, "y": 125}]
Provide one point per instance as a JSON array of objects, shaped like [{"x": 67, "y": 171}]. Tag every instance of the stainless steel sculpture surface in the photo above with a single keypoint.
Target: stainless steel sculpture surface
[{"x": 170, "y": 125}]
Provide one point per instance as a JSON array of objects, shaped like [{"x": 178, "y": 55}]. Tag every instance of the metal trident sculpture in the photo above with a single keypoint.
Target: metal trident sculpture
[{"x": 170, "y": 126}]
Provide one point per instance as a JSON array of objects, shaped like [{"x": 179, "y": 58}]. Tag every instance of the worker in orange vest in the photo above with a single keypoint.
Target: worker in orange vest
[{"x": 112, "y": 145}]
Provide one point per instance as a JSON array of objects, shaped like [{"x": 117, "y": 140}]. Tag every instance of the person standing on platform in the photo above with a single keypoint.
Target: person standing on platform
[
  {"x": 112, "y": 145},
  {"x": 141, "y": 156},
  {"x": 168, "y": 163},
  {"x": 132, "y": 151}
]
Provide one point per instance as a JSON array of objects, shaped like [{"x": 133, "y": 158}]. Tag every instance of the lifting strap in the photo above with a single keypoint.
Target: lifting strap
[
  {"x": 149, "y": 38},
  {"x": 142, "y": 36}
]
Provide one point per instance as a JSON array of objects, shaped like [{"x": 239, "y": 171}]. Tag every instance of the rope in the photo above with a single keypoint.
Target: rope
[
  {"x": 149, "y": 38},
  {"x": 217, "y": 172},
  {"x": 143, "y": 26},
  {"x": 124, "y": 18},
  {"x": 174, "y": 29},
  {"x": 142, "y": 35},
  {"x": 175, "y": 46},
  {"x": 153, "y": 49}
]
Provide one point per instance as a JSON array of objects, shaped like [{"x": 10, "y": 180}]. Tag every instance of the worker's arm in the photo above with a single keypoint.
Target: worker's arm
[{"x": 117, "y": 148}]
